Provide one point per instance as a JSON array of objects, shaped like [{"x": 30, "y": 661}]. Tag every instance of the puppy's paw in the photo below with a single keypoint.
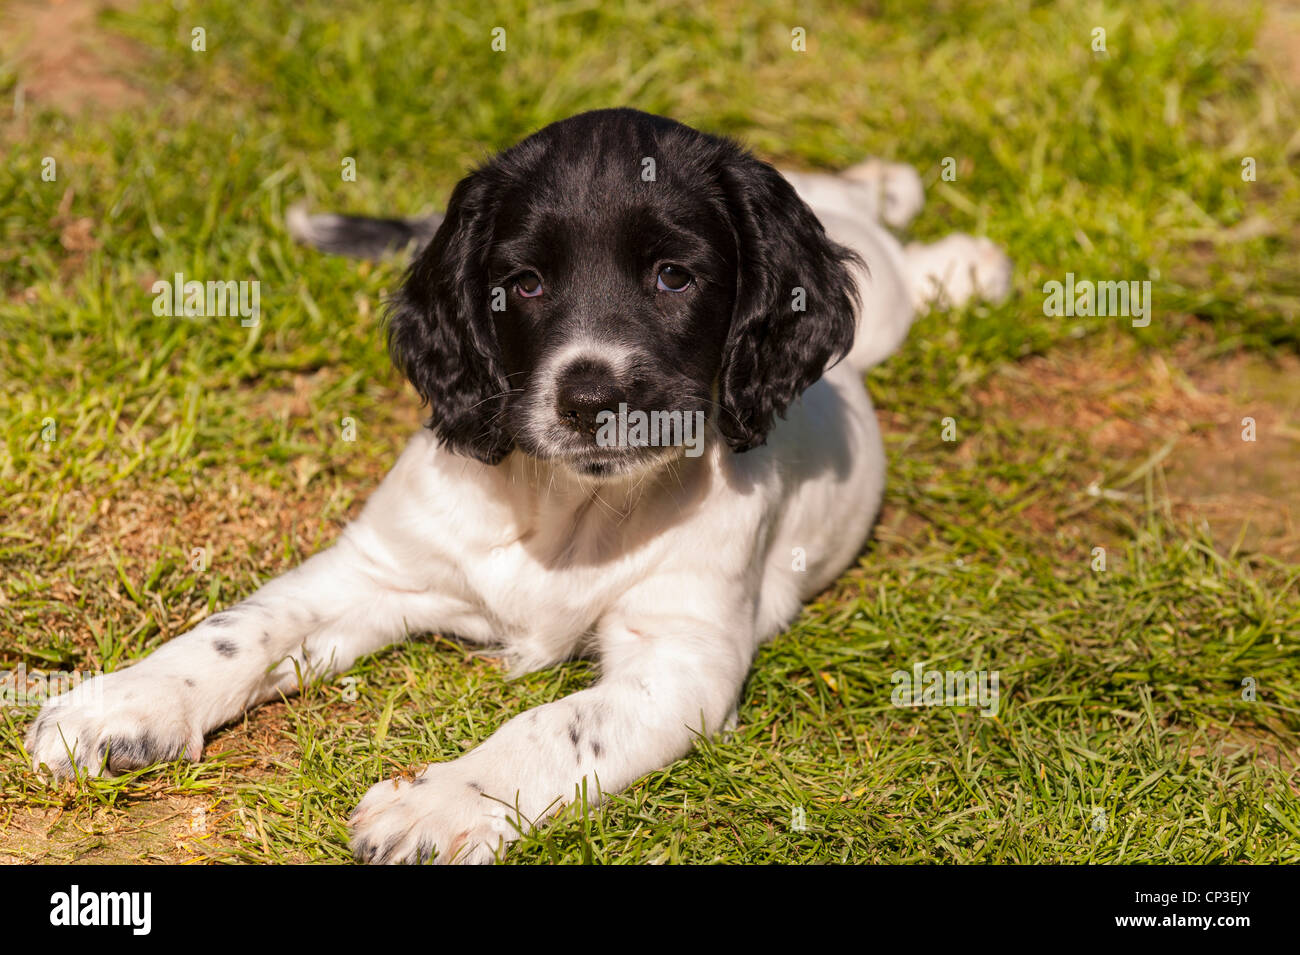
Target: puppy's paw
[
  {"x": 896, "y": 186},
  {"x": 114, "y": 723},
  {"x": 443, "y": 816},
  {"x": 956, "y": 269}
]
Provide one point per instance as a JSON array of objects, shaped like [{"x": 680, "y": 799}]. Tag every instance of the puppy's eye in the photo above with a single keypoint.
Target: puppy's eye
[
  {"x": 674, "y": 278},
  {"x": 529, "y": 285}
]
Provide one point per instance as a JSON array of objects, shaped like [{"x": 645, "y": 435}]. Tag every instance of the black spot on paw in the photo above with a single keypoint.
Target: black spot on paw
[
  {"x": 226, "y": 618},
  {"x": 132, "y": 752},
  {"x": 364, "y": 850},
  {"x": 385, "y": 853},
  {"x": 126, "y": 754},
  {"x": 596, "y": 748},
  {"x": 225, "y": 648},
  {"x": 425, "y": 852}
]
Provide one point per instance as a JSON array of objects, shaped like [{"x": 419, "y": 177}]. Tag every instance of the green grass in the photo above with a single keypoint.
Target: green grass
[{"x": 1121, "y": 690}]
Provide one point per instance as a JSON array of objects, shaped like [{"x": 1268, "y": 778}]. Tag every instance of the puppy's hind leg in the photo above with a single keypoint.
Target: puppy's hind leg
[
  {"x": 897, "y": 185},
  {"x": 873, "y": 190},
  {"x": 955, "y": 270}
]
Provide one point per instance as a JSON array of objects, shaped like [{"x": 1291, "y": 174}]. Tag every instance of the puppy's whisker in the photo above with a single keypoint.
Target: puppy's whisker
[{"x": 504, "y": 394}]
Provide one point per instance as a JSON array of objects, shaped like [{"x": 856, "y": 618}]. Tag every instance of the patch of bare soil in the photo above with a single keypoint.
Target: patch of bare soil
[
  {"x": 1279, "y": 39},
  {"x": 1242, "y": 471},
  {"x": 230, "y": 523},
  {"x": 1224, "y": 435},
  {"x": 65, "y": 60},
  {"x": 157, "y": 824},
  {"x": 164, "y": 829}
]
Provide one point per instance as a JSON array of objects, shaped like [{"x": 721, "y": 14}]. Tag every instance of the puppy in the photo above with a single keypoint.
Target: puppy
[{"x": 612, "y": 269}]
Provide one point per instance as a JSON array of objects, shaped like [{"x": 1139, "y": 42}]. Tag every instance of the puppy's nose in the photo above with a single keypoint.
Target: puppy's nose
[{"x": 583, "y": 392}]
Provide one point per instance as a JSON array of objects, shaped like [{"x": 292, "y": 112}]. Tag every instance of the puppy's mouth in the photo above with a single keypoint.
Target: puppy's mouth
[
  {"x": 631, "y": 442},
  {"x": 608, "y": 463}
]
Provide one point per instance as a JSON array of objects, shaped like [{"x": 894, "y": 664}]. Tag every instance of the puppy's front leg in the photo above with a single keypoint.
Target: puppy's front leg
[
  {"x": 665, "y": 681},
  {"x": 314, "y": 620}
]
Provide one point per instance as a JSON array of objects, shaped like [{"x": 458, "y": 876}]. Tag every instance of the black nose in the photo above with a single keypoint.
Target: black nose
[{"x": 583, "y": 392}]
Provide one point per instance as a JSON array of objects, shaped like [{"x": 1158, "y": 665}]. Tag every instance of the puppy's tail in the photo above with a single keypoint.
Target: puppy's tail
[{"x": 359, "y": 236}]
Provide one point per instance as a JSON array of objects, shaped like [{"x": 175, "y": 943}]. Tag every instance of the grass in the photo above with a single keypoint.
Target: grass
[{"x": 1121, "y": 690}]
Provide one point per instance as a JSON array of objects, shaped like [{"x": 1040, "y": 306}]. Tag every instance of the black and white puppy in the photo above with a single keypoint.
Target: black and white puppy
[{"x": 649, "y": 442}]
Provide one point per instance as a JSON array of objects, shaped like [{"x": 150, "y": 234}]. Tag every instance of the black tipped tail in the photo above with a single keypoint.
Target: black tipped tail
[{"x": 358, "y": 236}]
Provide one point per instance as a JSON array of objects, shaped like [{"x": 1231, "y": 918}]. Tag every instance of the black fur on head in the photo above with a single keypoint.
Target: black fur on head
[
  {"x": 440, "y": 333},
  {"x": 507, "y": 362},
  {"x": 796, "y": 301}
]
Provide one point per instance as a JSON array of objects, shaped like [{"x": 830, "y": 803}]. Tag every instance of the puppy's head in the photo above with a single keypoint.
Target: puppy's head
[{"x": 611, "y": 264}]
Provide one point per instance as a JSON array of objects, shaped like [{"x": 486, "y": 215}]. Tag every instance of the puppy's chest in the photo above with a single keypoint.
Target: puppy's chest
[{"x": 550, "y": 589}]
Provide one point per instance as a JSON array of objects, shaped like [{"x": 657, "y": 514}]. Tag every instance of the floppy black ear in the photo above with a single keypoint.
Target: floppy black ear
[
  {"x": 795, "y": 302},
  {"x": 440, "y": 332}
]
